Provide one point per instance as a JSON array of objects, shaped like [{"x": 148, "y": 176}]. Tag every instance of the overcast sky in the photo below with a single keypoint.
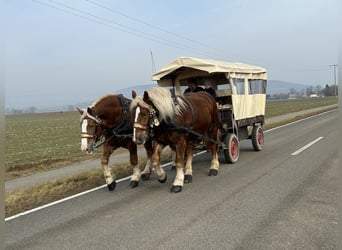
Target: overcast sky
[{"x": 63, "y": 52}]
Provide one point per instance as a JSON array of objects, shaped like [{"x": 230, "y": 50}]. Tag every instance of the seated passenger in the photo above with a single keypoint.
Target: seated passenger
[
  {"x": 192, "y": 86},
  {"x": 208, "y": 87}
]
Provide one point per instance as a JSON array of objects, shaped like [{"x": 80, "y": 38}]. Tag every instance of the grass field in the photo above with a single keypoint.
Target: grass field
[
  {"x": 281, "y": 107},
  {"x": 42, "y": 141}
]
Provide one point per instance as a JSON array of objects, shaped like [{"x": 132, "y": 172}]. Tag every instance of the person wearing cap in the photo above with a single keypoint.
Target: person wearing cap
[
  {"x": 208, "y": 87},
  {"x": 192, "y": 86}
]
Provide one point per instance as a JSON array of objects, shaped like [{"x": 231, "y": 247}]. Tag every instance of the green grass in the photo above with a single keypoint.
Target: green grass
[
  {"x": 281, "y": 107},
  {"x": 40, "y": 140}
]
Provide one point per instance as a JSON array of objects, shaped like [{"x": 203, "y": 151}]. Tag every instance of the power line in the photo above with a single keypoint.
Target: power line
[
  {"x": 109, "y": 23},
  {"x": 149, "y": 25}
]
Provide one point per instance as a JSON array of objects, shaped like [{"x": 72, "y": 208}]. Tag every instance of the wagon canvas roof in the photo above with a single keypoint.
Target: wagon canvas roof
[{"x": 203, "y": 67}]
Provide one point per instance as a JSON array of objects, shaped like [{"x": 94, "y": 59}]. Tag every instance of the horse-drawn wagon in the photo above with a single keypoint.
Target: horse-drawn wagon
[
  {"x": 161, "y": 117},
  {"x": 240, "y": 96}
]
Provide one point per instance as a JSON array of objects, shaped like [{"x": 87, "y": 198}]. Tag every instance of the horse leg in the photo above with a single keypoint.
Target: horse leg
[
  {"x": 133, "y": 158},
  {"x": 179, "y": 179},
  {"x": 173, "y": 159},
  {"x": 107, "y": 171},
  {"x": 159, "y": 171},
  {"x": 213, "y": 171},
  {"x": 188, "y": 165},
  {"x": 146, "y": 173}
]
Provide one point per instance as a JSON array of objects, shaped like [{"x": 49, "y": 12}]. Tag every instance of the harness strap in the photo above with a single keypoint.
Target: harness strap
[
  {"x": 138, "y": 125},
  {"x": 88, "y": 136},
  {"x": 123, "y": 117},
  {"x": 94, "y": 117}
]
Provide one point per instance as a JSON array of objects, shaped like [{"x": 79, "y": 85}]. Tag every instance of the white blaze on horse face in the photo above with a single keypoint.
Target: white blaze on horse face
[
  {"x": 137, "y": 112},
  {"x": 84, "y": 141}
]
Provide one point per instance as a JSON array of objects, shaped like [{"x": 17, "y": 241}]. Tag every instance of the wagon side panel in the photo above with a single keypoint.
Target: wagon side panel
[{"x": 247, "y": 106}]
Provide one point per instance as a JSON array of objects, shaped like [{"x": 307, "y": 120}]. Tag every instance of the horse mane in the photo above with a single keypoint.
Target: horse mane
[
  {"x": 101, "y": 98},
  {"x": 163, "y": 101},
  {"x": 85, "y": 111}
]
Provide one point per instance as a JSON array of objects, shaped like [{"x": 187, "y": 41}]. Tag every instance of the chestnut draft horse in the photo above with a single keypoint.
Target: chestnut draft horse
[
  {"x": 180, "y": 122},
  {"x": 108, "y": 121}
]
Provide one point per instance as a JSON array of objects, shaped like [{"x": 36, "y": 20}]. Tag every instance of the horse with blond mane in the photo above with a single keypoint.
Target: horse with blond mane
[
  {"x": 180, "y": 122},
  {"x": 109, "y": 119}
]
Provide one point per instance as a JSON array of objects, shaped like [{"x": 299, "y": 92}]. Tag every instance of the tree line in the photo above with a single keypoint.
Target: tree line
[{"x": 319, "y": 91}]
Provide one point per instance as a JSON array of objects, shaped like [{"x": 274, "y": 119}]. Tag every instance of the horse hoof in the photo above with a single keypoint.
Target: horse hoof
[
  {"x": 187, "y": 178},
  {"x": 133, "y": 184},
  {"x": 176, "y": 189},
  {"x": 164, "y": 180},
  {"x": 111, "y": 186},
  {"x": 213, "y": 172},
  {"x": 145, "y": 177}
]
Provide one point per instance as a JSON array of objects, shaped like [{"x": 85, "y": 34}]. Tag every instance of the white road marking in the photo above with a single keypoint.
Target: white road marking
[
  {"x": 307, "y": 146},
  {"x": 78, "y": 195}
]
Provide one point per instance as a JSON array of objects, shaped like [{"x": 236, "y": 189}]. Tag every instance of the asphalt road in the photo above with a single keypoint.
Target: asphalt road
[{"x": 271, "y": 199}]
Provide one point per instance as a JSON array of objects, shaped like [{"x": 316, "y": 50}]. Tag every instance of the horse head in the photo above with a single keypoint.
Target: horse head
[
  {"x": 145, "y": 117},
  {"x": 91, "y": 129},
  {"x": 150, "y": 110}
]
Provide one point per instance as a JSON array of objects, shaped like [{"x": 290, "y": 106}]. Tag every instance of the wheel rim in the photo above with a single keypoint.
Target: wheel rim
[
  {"x": 234, "y": 148},
  {"x": 260, "y": 138}
]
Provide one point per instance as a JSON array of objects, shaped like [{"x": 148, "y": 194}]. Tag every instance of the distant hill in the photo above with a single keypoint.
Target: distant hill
[
  {"x": 281, "y": 87},
  {"x": 137, "y": 88},
  {"x": 273, "y": 87},
  {"x": 127, "y": 92}
]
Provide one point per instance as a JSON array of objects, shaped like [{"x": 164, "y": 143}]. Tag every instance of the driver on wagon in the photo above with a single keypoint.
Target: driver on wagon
[{"x": 192, "y": 86}]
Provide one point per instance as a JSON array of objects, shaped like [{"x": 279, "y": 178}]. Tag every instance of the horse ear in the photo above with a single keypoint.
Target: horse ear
[
  {"x": 80, "y": 110},
  {"x": 89, "y": 111},
  {"x": 146, "y": 97},
  {"x": 134, "y": 94}
]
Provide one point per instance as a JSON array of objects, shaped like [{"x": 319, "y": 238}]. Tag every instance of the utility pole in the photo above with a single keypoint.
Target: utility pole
[
  {"x": 153, "y": 65},
  {"x": 334, "y": 65}
]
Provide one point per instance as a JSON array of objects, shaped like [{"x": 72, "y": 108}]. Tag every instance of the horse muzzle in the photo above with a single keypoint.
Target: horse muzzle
[
  {"x": 140, "y": 139},
  {"x": 139, "y": 134},
  {"x": 86, "y": 147}
]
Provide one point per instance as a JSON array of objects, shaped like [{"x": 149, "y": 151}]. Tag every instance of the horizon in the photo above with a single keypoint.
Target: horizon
[{"x": 127, "y": 91}]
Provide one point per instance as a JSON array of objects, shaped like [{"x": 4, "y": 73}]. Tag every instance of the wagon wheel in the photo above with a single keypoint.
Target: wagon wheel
[
  {"x": 258, "y": 138},
  {"x": 232, "y": 152}
]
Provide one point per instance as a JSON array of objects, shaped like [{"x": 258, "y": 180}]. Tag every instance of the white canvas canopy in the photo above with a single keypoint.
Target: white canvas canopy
[
  {"x": 185, "y": 67},
  {"x": 245, "y": 105}
]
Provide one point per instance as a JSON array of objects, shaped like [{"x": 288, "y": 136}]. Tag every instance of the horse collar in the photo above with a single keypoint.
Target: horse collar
[{"x": 123, "y": 117}]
